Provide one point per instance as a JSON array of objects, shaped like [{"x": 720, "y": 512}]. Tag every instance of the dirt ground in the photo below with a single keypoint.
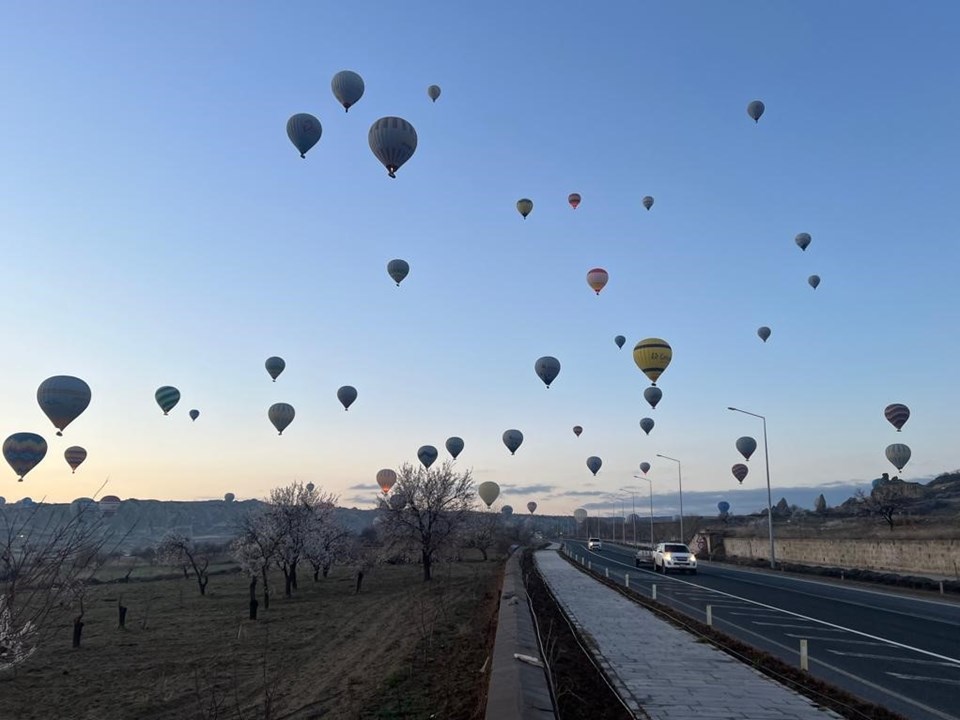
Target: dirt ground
[{"x": 400, "y": 649}]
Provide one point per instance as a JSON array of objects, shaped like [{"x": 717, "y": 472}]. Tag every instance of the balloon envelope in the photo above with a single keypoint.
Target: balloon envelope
[
  {"x": 310, "y": 487},
  {"x": 393, "y": 141},
  {"x": 398, "y": 270},
  {"x": 648, "y": 202},
  {"x": 898, "y": 454},
  {"x": 386, "y": 479},
  {"x": 652, "y": 356},
  {"x": 63, "y": 398},
  {"x": 167, "y": 398},
  {"x": 597, "y": 279},
  {"x": 897, "y": 414},
  {"x": 347, "y": 88},
  {"x": 547, "y": 368},
  {"x": 275, "y": 366},
  {"x": 488, "y": 491},
  {"x": 814, "y": 281},
  {"x": 507, "y": 510},
  {"x": 646, "y": 424},
  {"x": 746, "y": 446},
  {"x": 194, "y": 414},
  {"x": 574, "y": 200},
  {"x": 512, "y": 439},
  {"x": 644, "y": 467},
  {"x": 620, "y": 340},
  {"x": 454, "y": 446},
  {"x": 427, "y": 455},
  {"x": 74, "y": 456},
  {"x": 23, "y": 451},
  {"x": 594, "y": 463},
  {"x": 579, "y": 515},
  {"x": 652, "y": 395},
  {"x": 763, "y": 332},
  {"x": 228, "y": 497},
  {"x": 532, "y": 507},
  {"x": 524, "y": 207},
  {"x": 281, "y": 415},
  {"x": 723, "y": 506},
  {"x": 346, "y": 395},
  {"x": 803, "y": 240},
  {"x": 433, "y": 92},
  {"x": 304, "y": 131},
  {"x": 739, "y": 471},
  {"x": 577, "y": 430},
  {"x": 755, "y": 110}
]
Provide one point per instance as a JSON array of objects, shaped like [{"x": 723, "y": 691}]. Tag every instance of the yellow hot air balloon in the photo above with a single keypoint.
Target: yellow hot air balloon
[{"x": 652, "y": 357}]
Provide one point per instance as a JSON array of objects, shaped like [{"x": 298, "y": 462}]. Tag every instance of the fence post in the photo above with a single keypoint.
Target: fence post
[
  {"x": 626, "y": 579},
  {"x": 589, "y": 565},
  {"x": 653, "y": 592},
  {"x": 804, "y": 663},
  {"x": 710, "y": 615},
  {"x": 606, "y": 571},
  {"x": 941, "y": 587}
]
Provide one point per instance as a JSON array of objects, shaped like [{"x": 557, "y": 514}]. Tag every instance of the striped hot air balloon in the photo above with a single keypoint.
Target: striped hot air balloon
[
  {"x": 652, "y": 356},
  {"x": 644, "y": 467},
  {"x": 897, "y": 415},
  {"x": 386, "y": 479},
  {"x": 393, "y": 141},
  {"x": 898, "y": 454},
  {"x": 63, "y": 398},
  {"x": 574, "y": 200},
  {"x": 109, "y": 504},
  {"x": 23, "y": 451},
  {"x": 597, "y": 279},
  {"x": 167, "y": 398},
  {"x": 281, "y": 415},
  {"x": 347, "y": 87},
  {"x": 74, "y": 456},
  {"x": 740, "y": 471},
  {"x": 304, "y": 131}
]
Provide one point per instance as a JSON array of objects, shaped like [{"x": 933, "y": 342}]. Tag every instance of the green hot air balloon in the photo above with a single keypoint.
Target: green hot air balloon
[
  {"x": 393, "y": 141},
  {"x": 23, "y": 451},
  {"x": 275, "y": 365},
  {"x": 63, "y": 398},
  {"x": 167, "y": 398},
  {"x": 398, "y": 270},
  {"x": 347, "y": 87},
  {"x": 513, "y": 439},
  {"x": 281, "y": 415},
  {"x": 304, "y": 131},
  {"x": 488, "y": 491}
]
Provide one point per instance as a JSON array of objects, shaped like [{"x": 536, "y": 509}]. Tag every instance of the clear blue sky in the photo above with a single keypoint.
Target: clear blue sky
[{"x": 159, "y": 228}]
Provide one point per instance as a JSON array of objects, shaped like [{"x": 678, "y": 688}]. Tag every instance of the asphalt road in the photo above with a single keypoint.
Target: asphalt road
[{"x": 898, "y": 651}]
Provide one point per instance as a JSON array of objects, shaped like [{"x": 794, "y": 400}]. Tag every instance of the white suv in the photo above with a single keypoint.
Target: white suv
[
  {"x": 594, "y": 544},
  {"x": 674, "y": 556}
]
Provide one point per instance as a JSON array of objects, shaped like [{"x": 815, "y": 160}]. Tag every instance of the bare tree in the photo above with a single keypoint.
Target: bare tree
[
  {"x": 254, "y": 548},
  {"x": 177, "y": 549},
  {"x": 329, "y": 543},
  {"x": 427, "y": 506},
  {"x": 482, "y": 530}
]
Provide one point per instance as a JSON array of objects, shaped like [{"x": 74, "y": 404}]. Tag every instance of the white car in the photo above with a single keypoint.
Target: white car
[
  {"x": 674, "y": 556},
  {"x": 594, "y": 544}
]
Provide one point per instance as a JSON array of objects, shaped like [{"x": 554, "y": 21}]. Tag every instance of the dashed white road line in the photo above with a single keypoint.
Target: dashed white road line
[
  {"x": 894, "y": 658},
  {"x": 923, "y": 678}
]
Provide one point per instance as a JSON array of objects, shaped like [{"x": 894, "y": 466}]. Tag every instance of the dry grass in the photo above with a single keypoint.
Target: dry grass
[{"x": 323, "y": 653}]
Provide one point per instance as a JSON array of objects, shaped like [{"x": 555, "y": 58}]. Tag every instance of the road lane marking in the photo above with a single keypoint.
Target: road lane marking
[
  {"x": 912, "y": 661},
  {"x": 798, "y": 627},
  {"x": 924, "y": 678},
  {"x": 836, "y": 640}
]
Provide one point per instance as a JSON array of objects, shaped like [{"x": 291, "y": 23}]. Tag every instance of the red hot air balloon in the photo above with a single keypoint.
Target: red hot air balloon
[{"x": 897, "y": 415}]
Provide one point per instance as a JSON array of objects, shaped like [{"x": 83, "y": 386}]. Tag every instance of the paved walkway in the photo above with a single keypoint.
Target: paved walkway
[{"x": 661, "y": 669}]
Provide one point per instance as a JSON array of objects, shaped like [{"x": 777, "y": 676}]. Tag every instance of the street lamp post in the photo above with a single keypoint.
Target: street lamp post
[
  {"x": 680, "y": 479},
  {"x": 766, "y": 457},
  {"x": 640, "y": 477}
]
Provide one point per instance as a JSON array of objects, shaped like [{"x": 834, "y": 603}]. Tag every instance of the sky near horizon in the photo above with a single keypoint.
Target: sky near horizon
[{"x": 158, "y": 228}]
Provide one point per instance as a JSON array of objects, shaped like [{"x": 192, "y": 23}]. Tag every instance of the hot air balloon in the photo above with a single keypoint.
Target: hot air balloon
[
  {"x": 63, "y": 398},
  {"x": 803, "y": 240},
  {"x": 547, "y": 369},
  {"x": 304, "y": 131},
  {"x": 532, "y": 507},
  {"x": 427, "y": 454},
  {"x": 393, "y": 140},
  {"x": 454, "y": 446},
  {"x": 577, "y": 430},
  {"x": 898, "y": 454},
  {"x": 594, "y": 463},
  {"x": 74, "y": 456},
  {"x": 524, "y": 207},
  {"x": 648, "y": 202},
  {"x": 646, "y": 424},
  {"x": 281, "y": 415},
  {"x": 347, "y": 88},
  {"x": 23, "y": 451},
  {"x": 723, "y": 506},
  {"x": 644, "y": 467},
  {"x": 194, "y": 414},
  {"x": 755, "y": 110},
  {"x": 652, "y": 395},
  {"x": 109, "y": 504},
  {"x": 229, "y": 497},
  {"x": 652, "y": 356},
  {"x": 398, "y": 270},
  {"x": 433, "y": 92},
  {"x": 740, "y": 471},
  {"x": 597, "y": 279},
  {"x": 488, "y": 491},
  {"x": 763, "y": 332},
  {"x": 346, "y": 395},
  {"x": 310, "y": 487},
  {"x": 897, "y": 415},
  {"x": 507, "y": 510},
  {"x": 620, "y": 340},
  {"x": 25, "y": 502},
  {"x": 275, "y": 366},
  {"x": 580, "y": 515},
  {"x": 386, "y": 479},
  {"x": 167, "y": 398},
  {"x": 813, "y": 281},
  {"x": 513, "y": 439},
  {"x": 746, "y": 446},
  {"x": 574, "y": 200}
]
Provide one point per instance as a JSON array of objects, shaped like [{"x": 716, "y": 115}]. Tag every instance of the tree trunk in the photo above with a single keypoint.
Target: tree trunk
[
  {"x": 427, "y": 559},
  {"x": 316, "y": 574},
  {"x": 326, "y": 569},
  {"x": 77, "y": 630},
  {"x": 122, "y": 611},
  {"x": 202, "y": 582},
  {"x": 293, "y": 575},
  {"x": 359, "y": 582},
  {"x": 253, "y": 608},
  {"x": 287, "y": 584},
  {"x": 184, "y": 568},
  {"x": 484, "y": 551},
  {"x": 266, "y": 590}
]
